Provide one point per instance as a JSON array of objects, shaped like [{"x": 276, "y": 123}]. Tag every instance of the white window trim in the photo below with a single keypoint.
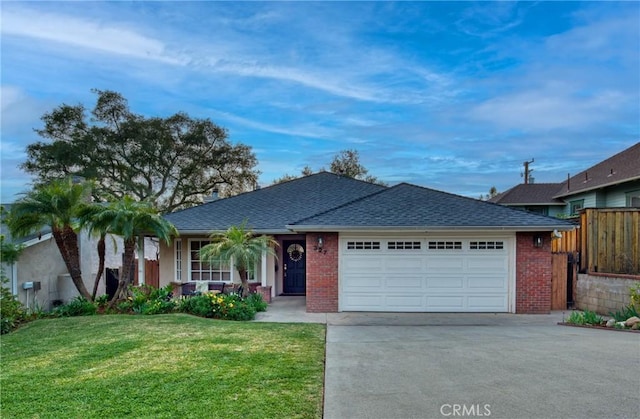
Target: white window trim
[
  {"x": 179, "y": 260},
  {"x": 190, "y": 272}
]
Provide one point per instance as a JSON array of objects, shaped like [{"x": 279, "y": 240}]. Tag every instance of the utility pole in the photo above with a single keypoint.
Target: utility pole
[{"x": 527, "y": 171}]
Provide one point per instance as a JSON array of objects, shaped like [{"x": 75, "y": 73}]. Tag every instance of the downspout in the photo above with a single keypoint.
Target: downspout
[
  {"x": 14, "y": 278},
  {"x": 263, "y": 269}
]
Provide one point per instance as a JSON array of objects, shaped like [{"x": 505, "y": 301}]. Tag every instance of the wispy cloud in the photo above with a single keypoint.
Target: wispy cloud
[{"x": 90, "y": 34}]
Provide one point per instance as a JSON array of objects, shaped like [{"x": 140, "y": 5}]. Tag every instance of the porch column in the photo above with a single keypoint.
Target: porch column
[
  {"x": 141, "y": 261},
  {"x": 263, "y": 269}
]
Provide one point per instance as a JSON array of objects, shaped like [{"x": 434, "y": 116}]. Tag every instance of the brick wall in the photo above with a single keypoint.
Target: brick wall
[
  {"x": 322, "y": 274},
  {"x": 533, "y": 274}
]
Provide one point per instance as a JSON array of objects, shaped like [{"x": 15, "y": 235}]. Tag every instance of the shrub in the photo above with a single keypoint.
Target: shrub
[
  {"x": 147, "y": 299},
  {"x": 624, "y": 313},
  {"x": 231, "y": 307},
  {"x": 78, "y": 306},
  {"x": 11, "y": 311},
  {"x": 198, "y": 305},
  {"x": 591, "y": 317},
  {"x": 219, "y": 306},
  {"x": 257, "y": 302},
  {"x": 576, "y": 317},
  {"x": 586, "y": 317}
]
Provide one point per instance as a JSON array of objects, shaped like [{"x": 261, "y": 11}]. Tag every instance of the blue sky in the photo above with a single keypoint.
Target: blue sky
[{"x": 452, "y": 96}]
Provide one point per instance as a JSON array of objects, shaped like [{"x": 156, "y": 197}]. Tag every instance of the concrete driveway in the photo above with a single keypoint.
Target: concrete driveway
[{"x": 477, "y": 365}]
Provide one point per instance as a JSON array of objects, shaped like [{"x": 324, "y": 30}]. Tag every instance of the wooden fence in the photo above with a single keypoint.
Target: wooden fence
[
  {"x": 612, "y": 239},
  {"x": 151, "y": 272},
  {"x": 608, "y": 240}
]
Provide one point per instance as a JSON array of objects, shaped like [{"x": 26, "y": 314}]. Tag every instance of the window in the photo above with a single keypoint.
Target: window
[
  {"x": 576, "y": 206},
  {"x": 218, "y": 270},
  {"x": 445, "y": 245},
  {"x": 363, "y": 245},
  {"x": 495, "y": 245},
  {"x": 538, "y": 210},
  {"x": 403, "y": 246},
  {"x": 178, "y": 248},
  {"x": 633, "y": 199}
]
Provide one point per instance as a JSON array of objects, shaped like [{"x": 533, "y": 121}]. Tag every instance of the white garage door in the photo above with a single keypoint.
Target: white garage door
[{"x": 425, "y": 274}]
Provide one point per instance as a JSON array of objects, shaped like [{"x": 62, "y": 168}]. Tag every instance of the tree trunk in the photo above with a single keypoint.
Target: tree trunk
[
  {"x": 101, "y": 257},
  {"x": 244, "y": 281},
  {"x": 67, "y": 241},
  {"x": 127, "y": 261}
]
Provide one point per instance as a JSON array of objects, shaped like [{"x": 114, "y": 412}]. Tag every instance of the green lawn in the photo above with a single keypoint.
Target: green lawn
[{"x": 164, "y": 366}]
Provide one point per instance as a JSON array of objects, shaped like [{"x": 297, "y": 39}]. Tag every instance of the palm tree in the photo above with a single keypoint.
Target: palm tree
[
  {"x": 86, "y": 215},
  {"x": 241, "y": 245},
  {"x": 129, "y": 219},
  {"x": 55, "y": 205}
]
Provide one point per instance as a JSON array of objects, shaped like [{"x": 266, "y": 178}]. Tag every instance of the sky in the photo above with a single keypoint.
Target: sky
[{"x": 453, "y": 96}]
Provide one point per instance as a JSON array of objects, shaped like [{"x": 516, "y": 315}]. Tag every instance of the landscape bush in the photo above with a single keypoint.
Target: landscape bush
[
  {"x": 585, "y": 318},
  {"x": 223, "y": 306},
  {"x": 12, "y": 312},
  {"x": 78, "y": 306},
  {"x": 147, "y": 299}
]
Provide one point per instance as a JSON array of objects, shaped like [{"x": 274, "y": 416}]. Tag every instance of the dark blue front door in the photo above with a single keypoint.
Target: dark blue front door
[{"x": 295, "y": 276}]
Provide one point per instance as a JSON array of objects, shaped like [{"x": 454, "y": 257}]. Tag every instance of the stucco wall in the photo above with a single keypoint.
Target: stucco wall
[
  {"x": 603, "y": 294},
  {"x": 42, "y": 262}
]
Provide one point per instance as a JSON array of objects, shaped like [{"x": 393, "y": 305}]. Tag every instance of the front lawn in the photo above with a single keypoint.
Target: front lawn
[{"x": 163, "y": 366}]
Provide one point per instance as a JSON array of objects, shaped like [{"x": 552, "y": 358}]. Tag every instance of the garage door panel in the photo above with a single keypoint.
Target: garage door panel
[
  {"x": 436, "y": 262},
  {"x": 359, "y": 282},
  {"x": 445, "y": 303},
  {"x": 363, "y": 263},
  {"x": 487, "y": 263},
  {"x": 404, "y": 302},
  {"x": 404, "y": 282},
  {"x": 487, "y": 282},
  {"x": 404, "y": 264},
  {"x": 487, "y": 302},
  {"x": 452, "y": 282},
  {"x": 365, "y": 302}
]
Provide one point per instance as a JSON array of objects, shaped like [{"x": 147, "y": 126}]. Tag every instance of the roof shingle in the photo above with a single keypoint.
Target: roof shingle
[{"x": 406, "y": 206}]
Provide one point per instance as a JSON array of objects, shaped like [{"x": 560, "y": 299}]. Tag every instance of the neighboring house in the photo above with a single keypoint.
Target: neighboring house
[
  {"x": 533, "y": 197},
  {"x": 614, "y": 182},
  {"x": 40, "y": 262},
  {"x": 349, "y": 245}
]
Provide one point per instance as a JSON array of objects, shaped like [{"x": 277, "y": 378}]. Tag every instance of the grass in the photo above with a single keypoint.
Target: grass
[{"x": 162, "y": 366}]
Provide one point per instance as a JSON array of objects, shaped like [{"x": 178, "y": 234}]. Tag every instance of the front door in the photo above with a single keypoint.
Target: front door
[{"x": 295, "y": 277}]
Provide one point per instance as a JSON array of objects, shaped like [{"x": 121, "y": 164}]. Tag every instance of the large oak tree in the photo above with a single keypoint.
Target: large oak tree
[{"x": 172, "y": 162}]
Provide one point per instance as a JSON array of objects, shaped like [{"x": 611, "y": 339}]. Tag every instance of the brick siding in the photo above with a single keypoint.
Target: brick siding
[
  {"x": 533, "y": 274},
  {"x": 322, "y": 274}
]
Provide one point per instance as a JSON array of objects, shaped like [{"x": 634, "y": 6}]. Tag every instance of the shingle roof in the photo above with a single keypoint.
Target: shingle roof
[
  {"x": 623, "y": 167},
  {"x": 4, "y": 230},
  {"x": 270, "y": 209},
  {"x": 530, "y": 194},
  {"x": 326, "y": 201},
  {"x": 411, "y": 207}
]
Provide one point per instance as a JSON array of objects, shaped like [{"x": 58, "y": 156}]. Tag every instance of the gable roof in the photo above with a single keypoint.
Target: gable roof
[
  {"x": 411, "y": 207},
  {"x": 29, "y": 240},
  {"x": 530, "y": 194},
  {"x": 270, "y": 209},
  {"x": 623, "y": 167}
]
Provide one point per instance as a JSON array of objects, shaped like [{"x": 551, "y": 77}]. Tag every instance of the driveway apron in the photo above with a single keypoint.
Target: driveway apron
[{"x": 469, "y": 365}]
